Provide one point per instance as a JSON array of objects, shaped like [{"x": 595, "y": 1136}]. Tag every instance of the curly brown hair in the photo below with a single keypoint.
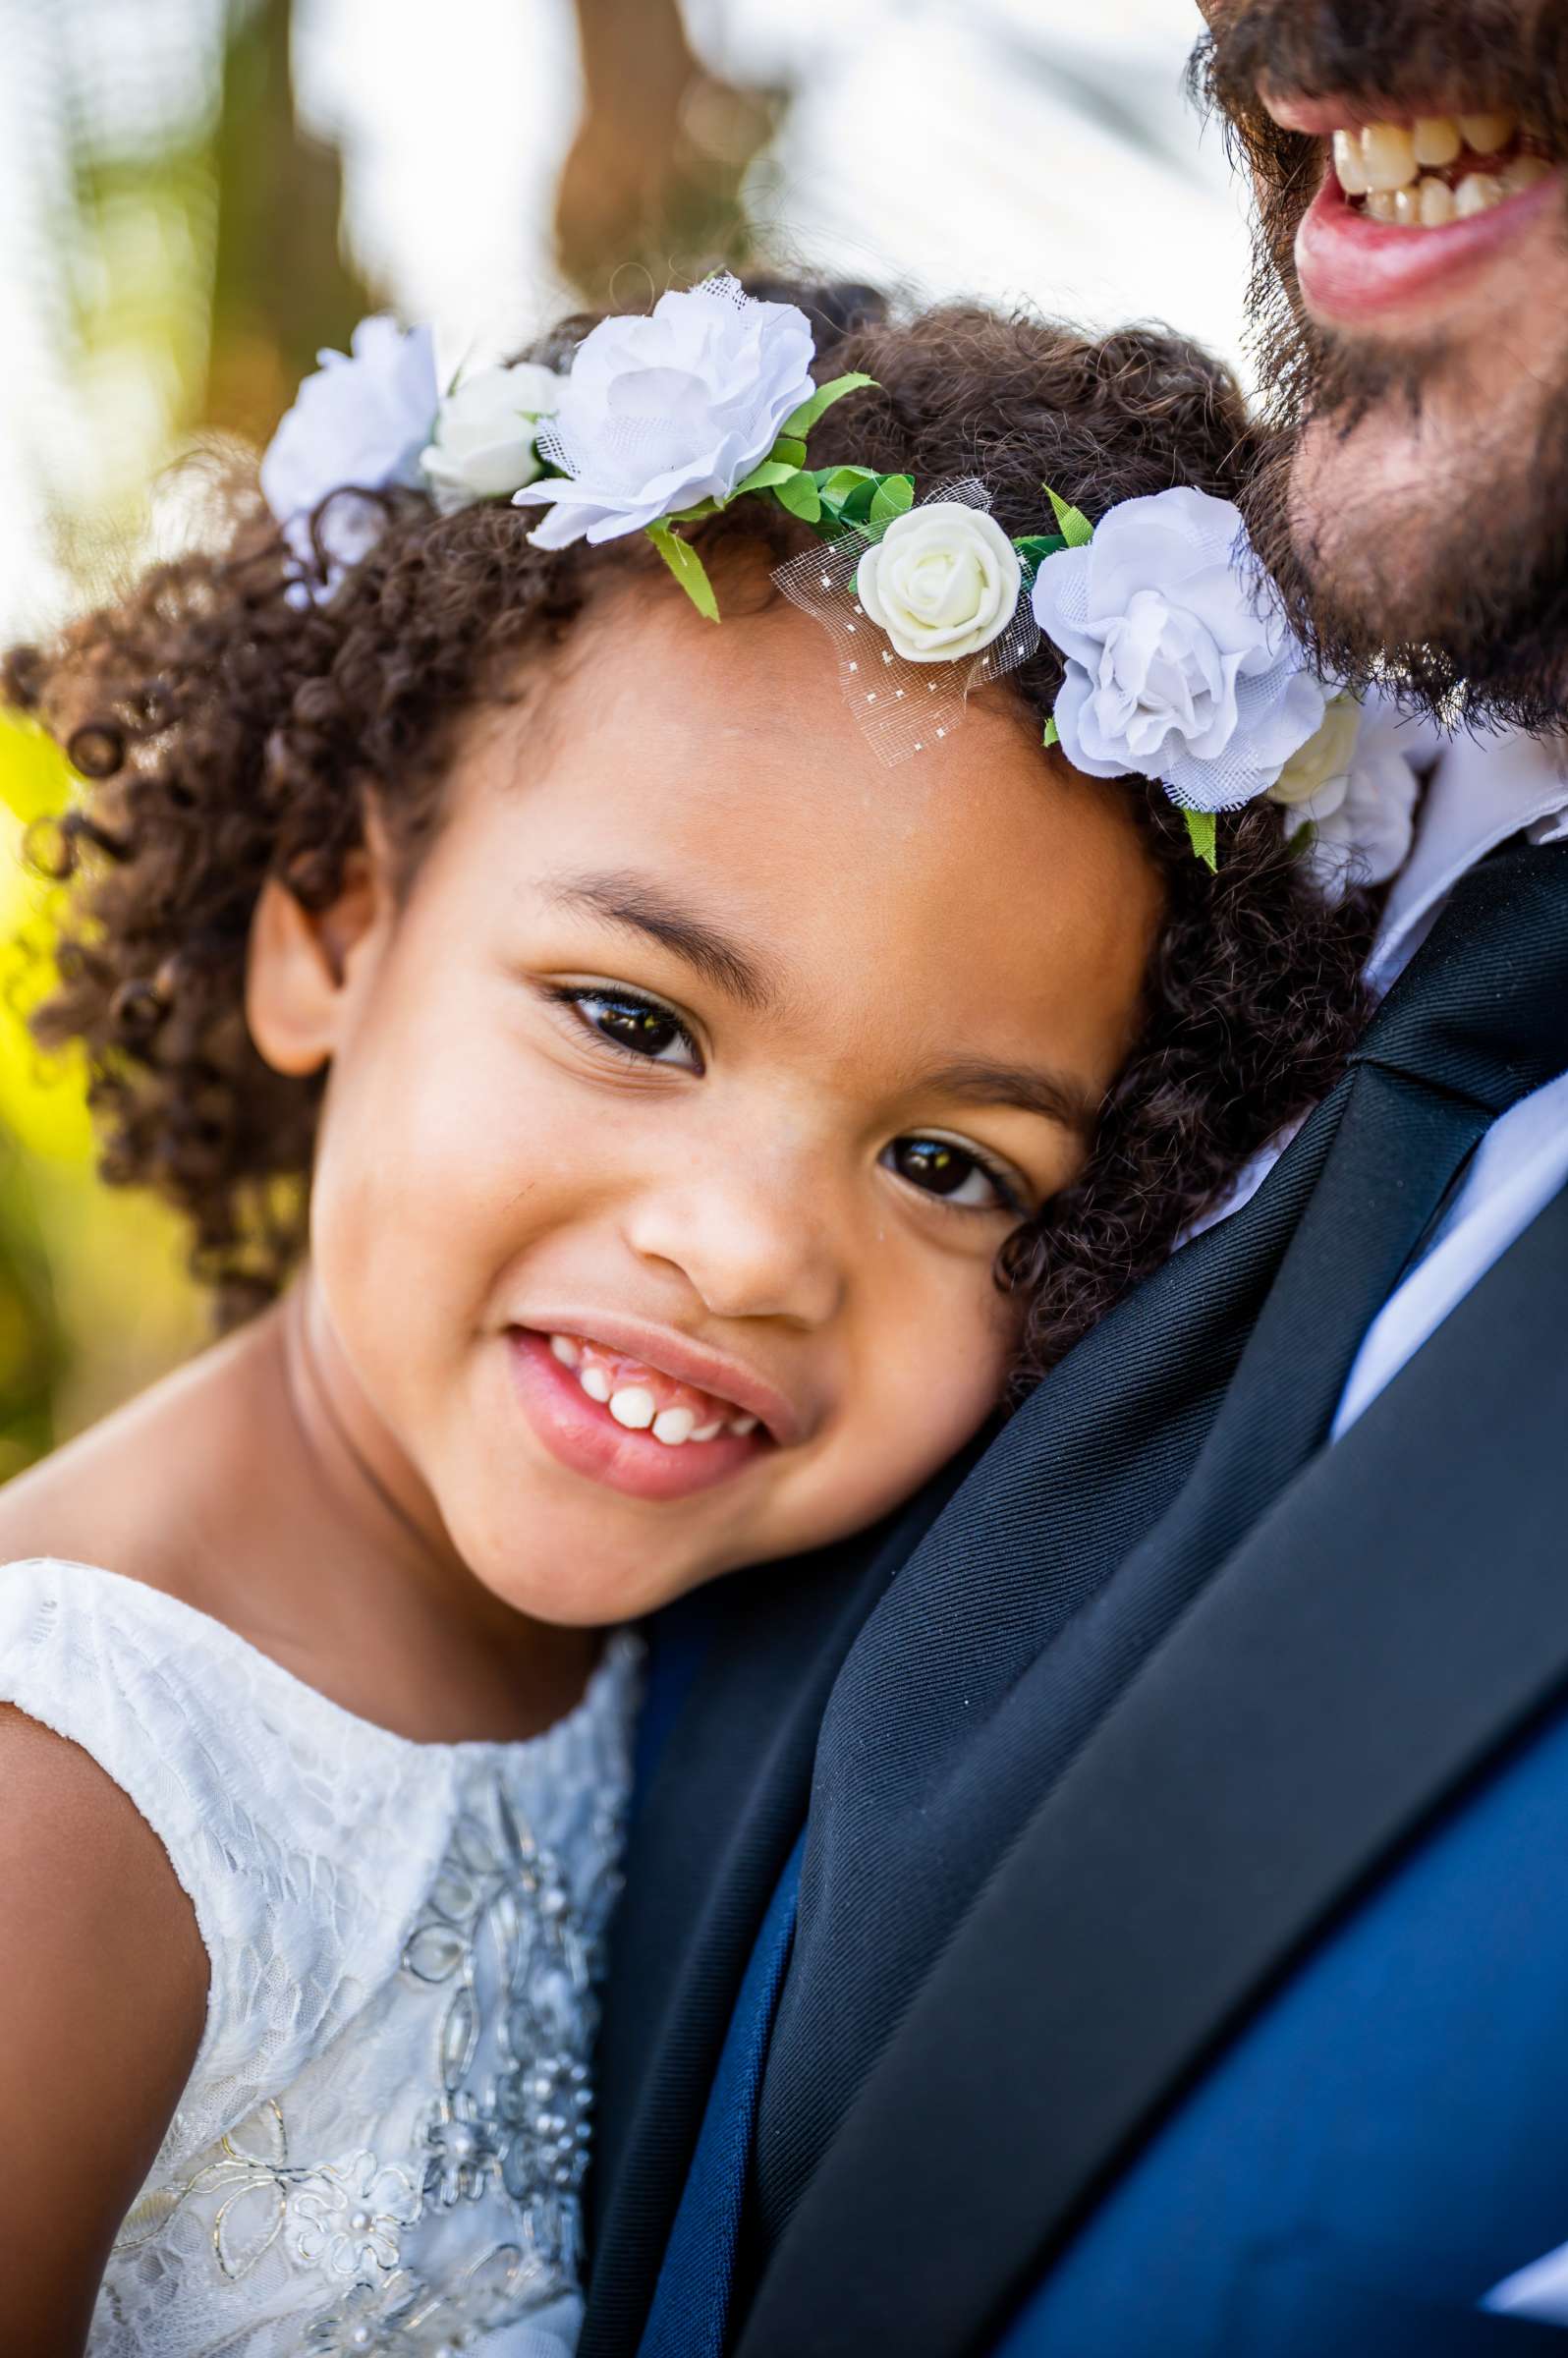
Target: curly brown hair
[{"x": 229, "y": 729}]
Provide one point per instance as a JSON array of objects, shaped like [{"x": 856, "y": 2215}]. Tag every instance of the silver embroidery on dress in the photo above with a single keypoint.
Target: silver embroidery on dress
[{"x": 513, "y": 1960}]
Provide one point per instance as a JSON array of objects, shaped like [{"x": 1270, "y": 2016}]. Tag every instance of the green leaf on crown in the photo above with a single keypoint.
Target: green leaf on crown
[
  {"x": 1074, "y": 527},
  {"x": 1036, "y": 547},
  {"x": 688, "y": 568},
  {"x": 838, "y": 483},
  {"x": 766, "y": 477},
  {"x": 1053, "y": 735},
  {"x": 854, "y": 506},
  {"x": 789, "y": 450},
  {"x": 799, "y": 493},
  {"x": 801, "y": 422},
  {"x": 1200, "y": 835},
  {"x": 894, "y": 496}
]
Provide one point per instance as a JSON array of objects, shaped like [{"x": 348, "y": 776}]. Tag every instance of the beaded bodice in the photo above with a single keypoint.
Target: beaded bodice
[{"x": 380, "y": 2147}]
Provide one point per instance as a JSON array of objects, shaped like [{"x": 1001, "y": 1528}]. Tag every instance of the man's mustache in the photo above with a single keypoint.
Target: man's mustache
[{"x": 1402, "y": 57}]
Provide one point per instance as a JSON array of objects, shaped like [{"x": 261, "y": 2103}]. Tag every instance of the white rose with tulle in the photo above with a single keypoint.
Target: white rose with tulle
[
  {"x": 360, "y": 422},
  {"x": 486, "y": 441},
  {"x": 1180, "y": 663},
  {"x": 659, "y": 414},
  {"x": 943, "y": 582}
]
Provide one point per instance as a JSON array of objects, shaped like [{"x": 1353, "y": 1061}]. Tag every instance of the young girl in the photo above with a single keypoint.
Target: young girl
[{"x": 635, "y": 1130}]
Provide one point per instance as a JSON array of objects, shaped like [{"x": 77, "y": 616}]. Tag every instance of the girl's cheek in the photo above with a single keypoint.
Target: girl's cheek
[{"x": 931, "y": 1367}]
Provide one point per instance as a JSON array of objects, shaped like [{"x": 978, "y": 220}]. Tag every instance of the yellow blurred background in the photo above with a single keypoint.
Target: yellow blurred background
[{"x": 197, "y": 195}]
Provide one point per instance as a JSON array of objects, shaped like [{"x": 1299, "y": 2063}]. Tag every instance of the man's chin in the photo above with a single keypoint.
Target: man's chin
[
  {"x": 1370, "y": 529},
  {"x": 1421, "y": 527}
]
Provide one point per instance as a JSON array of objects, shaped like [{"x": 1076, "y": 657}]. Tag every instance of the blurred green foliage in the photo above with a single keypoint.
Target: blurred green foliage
[
  {"x": 93, "y": 1299},
  {"x": 199, "y": 267}
]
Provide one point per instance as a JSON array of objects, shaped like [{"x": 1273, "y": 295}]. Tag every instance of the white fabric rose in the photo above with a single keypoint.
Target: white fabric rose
[
  {"x": 362, "y": 421},
  {"x": 1355, "y": 784},
  {"x": 943, "y": 582},
  {"x": 1180, "y": 664},
  {"x": 661, "y": 413},
  {"x": 486, "y": 434}
]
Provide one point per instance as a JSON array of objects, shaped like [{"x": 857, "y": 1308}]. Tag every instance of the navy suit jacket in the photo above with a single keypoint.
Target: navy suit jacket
[{"x": 1386, "y": 2140}]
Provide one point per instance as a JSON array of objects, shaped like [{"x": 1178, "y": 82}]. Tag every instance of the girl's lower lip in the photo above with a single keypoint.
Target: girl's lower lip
[
  {"x": 1354, "y": 270},
  {"x": 585, "y": 1438}
]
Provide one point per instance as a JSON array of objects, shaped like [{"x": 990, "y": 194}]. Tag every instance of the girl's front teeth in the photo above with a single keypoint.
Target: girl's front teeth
[{"x": 636, "y": 1404}]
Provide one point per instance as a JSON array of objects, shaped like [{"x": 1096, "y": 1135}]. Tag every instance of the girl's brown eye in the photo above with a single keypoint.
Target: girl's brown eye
[
  {"x": 647, "y": 1031},
  {"x": 638, "y": 1027},
  {"x": 939, "y": 1167}
]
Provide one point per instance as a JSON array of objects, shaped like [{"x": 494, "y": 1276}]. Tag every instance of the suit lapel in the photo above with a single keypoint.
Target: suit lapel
[
  {"x": 725, "y": 1806},
  {"x": 1180, "y": 1863},
  {"x": 922, "y": 1779}
]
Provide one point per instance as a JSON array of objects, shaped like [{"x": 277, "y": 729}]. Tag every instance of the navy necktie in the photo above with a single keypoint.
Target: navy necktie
[{"x": 690, "y": 2316}]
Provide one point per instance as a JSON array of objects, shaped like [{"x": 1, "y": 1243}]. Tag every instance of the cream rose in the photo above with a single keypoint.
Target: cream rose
[
  {"x": 943, "y": 582},
  {"x": 1355, "y": 784},
  {"x": 486, "y": 434},
  {"x": 1319, "y": 772}
]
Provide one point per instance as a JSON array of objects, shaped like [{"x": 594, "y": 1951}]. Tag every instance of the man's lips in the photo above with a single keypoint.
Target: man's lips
[
  {"x": 1354, "y": 270},
  {"x": 1321, "y": 117}
]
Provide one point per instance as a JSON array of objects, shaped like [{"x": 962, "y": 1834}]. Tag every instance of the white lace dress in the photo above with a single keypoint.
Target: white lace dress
[{"x": 380, "y": 2146}]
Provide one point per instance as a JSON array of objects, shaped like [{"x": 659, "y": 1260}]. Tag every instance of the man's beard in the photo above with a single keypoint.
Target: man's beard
[{"x": 1473, "y": 596}]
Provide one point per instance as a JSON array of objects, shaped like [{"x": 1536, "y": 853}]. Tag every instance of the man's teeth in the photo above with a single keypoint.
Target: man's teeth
[
  {"x": 636, "y": 1405},
  {"x": 1438, "y": 169},
  {"x": 1439, "y": 139}
]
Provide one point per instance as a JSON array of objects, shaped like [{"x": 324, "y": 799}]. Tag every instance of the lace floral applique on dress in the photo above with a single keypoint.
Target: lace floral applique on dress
[{"x": 383, "y": 2145}]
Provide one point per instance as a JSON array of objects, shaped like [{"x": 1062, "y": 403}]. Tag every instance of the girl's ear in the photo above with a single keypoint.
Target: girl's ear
[{"x": 304, "y": 967}]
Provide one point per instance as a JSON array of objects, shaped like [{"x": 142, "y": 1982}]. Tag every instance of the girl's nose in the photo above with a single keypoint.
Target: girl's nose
[{"x": 748, "y": 1251}]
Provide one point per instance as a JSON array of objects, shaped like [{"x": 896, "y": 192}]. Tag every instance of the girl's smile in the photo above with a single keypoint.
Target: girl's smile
[{"x": 631, "y": 1422}]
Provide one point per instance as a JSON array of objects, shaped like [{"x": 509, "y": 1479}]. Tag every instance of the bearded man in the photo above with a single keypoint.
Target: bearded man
[{"x": 1134, "y": 1917}]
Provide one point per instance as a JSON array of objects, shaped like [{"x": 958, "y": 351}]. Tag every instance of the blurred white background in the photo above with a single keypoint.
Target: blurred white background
[{"x": 1004, "y": 148}]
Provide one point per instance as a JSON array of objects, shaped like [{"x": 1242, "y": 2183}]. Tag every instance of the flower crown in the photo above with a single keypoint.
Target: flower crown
[{"x": 1180, "y": 664}]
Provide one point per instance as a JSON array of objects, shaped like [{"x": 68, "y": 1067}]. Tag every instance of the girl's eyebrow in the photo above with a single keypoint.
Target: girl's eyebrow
[
  {"x": 638, "y": 905},
  {"x": 980, "y": 1081}
]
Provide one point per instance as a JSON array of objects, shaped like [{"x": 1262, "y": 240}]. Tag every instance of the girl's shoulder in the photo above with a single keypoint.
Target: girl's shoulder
[
  {"x": 106, "y": 1990},
  {"x": 346, "y": 1885},
  {"x": 307, "y": 1839},
  {"x": 284, "y": 1819}
]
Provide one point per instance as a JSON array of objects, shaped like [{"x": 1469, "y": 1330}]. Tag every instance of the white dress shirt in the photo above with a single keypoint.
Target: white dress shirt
[{"x": 1481, "y": 794}]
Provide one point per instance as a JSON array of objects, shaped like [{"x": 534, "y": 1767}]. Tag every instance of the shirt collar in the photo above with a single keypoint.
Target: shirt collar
[
  {"x": 1483, "y": 791},
  {"x": 1480, "y": 793}
]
